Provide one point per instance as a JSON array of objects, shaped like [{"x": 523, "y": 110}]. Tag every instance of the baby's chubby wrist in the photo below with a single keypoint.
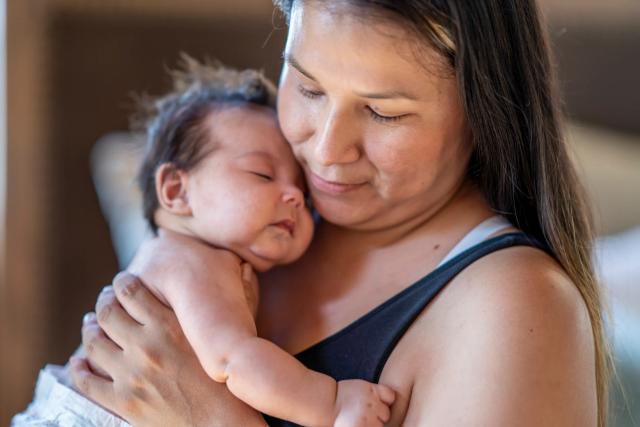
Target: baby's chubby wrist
[{"x": 362, "y": 404}]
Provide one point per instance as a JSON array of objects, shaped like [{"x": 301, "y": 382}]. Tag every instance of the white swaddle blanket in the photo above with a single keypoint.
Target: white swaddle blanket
[{"x": 56, "y": 404}]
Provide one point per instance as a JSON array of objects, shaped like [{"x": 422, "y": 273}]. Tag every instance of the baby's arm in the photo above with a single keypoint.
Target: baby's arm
[{"x": 218, "y": 323}]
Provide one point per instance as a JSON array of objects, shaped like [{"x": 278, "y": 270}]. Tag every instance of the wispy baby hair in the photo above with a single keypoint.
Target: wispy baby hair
[{"x": 174, "y": 122}]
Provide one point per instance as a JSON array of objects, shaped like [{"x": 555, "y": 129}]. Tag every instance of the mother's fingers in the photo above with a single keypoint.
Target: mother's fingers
[
  {"x": 114, "y": 321},
  {"x": 94, "y": 387},
  {"x": 137, "y": 300},
  {"x": 102, "y": 353}
]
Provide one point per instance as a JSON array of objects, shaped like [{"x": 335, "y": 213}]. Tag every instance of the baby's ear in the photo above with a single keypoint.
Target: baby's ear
[{"x": 171, "y": 189}]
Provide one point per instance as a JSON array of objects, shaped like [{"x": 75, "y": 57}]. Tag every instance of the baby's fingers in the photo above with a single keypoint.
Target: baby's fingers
[
  {"x": 386, "y": 394},
  {"x": 383, "y": 413}
]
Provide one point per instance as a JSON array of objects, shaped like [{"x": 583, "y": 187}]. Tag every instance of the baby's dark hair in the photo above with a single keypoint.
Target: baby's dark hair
[{"x": 175, "y": 123}]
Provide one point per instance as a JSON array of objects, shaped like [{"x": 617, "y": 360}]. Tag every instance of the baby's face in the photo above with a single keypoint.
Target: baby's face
[{"x": 247, "y": 195}]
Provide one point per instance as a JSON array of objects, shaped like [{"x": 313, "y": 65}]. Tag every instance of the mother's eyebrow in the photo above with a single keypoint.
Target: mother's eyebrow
[
  {"x": 391, "y": 94},
  {"x": 290, "y": 60}
]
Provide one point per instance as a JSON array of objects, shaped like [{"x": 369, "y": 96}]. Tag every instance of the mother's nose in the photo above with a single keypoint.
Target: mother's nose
[{"x": 336, "y": 139}]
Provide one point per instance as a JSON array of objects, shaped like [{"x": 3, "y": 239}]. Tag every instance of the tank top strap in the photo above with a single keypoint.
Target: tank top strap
[
  {"x": 361, "y": 349},
  {"x": 478, "y": 234}
]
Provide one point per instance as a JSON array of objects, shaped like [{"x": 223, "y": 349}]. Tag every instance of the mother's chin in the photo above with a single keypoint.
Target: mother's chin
[{"x": 343, "y": 211}]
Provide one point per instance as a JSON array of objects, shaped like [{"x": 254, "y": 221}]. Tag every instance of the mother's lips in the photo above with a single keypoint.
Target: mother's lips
[{"x": 331, "y": 186}]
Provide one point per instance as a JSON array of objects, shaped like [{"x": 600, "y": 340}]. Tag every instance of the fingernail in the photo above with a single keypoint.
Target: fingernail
[{"x": 89, "y": 317}]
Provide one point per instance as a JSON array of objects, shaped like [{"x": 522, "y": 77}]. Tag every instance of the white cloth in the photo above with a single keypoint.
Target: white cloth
[{"x": 55, "y": 404}]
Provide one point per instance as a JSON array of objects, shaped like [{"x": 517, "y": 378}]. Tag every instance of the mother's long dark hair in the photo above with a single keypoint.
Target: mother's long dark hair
[{"x": 501, "y": 58}]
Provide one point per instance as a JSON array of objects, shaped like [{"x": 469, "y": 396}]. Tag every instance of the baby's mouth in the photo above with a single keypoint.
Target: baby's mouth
[{"x": 286, "y": 224}]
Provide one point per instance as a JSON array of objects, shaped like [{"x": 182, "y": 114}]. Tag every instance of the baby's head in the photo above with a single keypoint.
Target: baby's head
[{"x": 218, "y": 168}]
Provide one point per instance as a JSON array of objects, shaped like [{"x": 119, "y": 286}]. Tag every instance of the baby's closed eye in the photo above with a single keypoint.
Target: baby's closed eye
[{"x": 263, "y": 175}]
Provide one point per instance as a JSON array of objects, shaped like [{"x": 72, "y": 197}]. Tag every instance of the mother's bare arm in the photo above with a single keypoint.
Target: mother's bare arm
[{"x": 516, "y": 349}]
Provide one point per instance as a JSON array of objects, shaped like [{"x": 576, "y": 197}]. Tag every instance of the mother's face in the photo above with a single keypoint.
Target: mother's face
[{"x": 381, "y": 139}]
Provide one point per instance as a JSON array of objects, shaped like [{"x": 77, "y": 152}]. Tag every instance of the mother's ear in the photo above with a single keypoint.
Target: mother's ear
[{"x": 171, "y": 189}]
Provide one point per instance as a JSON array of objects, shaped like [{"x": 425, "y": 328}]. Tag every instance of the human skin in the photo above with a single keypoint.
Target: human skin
[
  {"x": 507, "y": 342},
  {"x": 241, "y": 194},
  {"x": 246, "y": 195}
]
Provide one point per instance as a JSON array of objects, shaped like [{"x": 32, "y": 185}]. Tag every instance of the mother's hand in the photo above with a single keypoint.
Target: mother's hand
[{"x": 155, "y": 377}]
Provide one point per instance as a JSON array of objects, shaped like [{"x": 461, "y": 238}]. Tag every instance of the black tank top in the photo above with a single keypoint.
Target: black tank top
[{"x": 361, "y": 349}]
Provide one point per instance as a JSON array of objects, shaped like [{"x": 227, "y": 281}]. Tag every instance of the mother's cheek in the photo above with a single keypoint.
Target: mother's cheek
[{"x": 295, "y": 116}]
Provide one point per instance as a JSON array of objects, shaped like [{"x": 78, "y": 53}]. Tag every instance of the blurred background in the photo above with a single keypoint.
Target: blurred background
[{"x": 67, "y": 72}]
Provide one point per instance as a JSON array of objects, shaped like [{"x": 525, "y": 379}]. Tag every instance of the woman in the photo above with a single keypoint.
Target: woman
[{"x": 415, "y": 122}]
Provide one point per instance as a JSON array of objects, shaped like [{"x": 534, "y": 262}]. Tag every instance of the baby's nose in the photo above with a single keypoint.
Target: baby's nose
[{"x": 293, "y": 195}]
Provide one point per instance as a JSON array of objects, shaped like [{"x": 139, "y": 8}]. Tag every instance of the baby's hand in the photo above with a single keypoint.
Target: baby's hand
[{"x": 362, "y": 404}]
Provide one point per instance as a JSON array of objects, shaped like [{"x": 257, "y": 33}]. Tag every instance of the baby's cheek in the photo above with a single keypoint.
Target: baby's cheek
[
  {"x": 245, "y": 231},
  {"x": 228, "y": 224},
  {"x": 250, "y": 222},
  {"x": 270, "y": 244},
  {"x": 305, "y": 235}
]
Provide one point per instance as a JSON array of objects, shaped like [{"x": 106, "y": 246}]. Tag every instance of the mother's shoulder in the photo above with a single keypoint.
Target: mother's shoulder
[
  {"x": 518, "y": 276},
  {"x": 511, "y": 330},
  {"x": 515, "y": 286},
  {"x": 508, "y": 289}
]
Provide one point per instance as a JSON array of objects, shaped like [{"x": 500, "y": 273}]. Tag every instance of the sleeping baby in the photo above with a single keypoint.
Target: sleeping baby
[{"x": 218, "y": 170}]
